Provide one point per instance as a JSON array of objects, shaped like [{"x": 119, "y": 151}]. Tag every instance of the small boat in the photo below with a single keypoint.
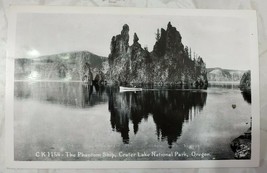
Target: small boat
[
  {"x": 233, "y": 106},
  {"x": 123, "y": 89}
]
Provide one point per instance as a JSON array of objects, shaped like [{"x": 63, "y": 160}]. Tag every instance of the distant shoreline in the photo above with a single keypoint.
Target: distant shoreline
[
  {"x": 210, "y": 82},
  {"x": 78, "y": 81},
  {"x": 224, "y": 82}
]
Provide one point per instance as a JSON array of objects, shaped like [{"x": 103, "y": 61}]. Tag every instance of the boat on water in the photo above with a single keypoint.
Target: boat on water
[{"x": 124, "y": 89}]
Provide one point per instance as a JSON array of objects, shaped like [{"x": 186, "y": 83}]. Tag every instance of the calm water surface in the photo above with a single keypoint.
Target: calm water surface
[{"x": 101, "y": 123}]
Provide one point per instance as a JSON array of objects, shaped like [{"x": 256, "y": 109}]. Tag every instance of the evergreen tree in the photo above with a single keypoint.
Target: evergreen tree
[
  {"x": 190, "y": 53},
  {"x": 157, "y": 35},
  {"x": 186, "y": 51},
  {"x": 146, "y": 48}
]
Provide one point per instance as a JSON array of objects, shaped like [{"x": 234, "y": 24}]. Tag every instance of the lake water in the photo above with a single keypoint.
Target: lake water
[{"x": 72, "y": 121}]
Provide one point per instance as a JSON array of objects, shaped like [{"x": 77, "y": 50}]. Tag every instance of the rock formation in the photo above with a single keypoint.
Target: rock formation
[
  {"x": 219, "y": 74},
  {"x": 241, "y": 146},
  {"x": 81, "y": 65},
  {"x": 245, "y": 82},
  {"x": 168, "y": 63}
]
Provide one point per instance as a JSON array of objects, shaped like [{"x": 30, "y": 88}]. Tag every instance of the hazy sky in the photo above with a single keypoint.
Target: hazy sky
[{"x": 221, "y": 41}]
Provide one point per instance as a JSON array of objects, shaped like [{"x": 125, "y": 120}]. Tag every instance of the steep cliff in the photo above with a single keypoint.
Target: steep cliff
[
  {"x": 168, "y": 63},
  {"x": 65, "y": 66},
  {"x": 219, "y": 74}
]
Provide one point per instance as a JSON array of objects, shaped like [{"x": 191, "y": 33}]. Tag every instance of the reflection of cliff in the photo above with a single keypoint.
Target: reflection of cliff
[
  {"x": 93, "y": 95},
  {"x": 170, "y": 109},
  {"x": 68, "y": 94}
]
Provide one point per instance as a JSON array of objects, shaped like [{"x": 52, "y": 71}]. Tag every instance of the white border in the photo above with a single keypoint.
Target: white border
[{"x": 248, "y": 14}]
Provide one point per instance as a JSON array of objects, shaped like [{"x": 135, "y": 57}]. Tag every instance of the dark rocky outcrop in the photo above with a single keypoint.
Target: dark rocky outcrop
[
  {"x": 168, "y": 63},
  {"x": 245, "y": 82},
  {"x": 119, "y": 44},
  {"x": 241, "y": 146},
  {"x": 169, "y": 42}
]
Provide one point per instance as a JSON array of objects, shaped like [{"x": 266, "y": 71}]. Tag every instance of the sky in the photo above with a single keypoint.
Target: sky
[{"x": 221, "y": 41}]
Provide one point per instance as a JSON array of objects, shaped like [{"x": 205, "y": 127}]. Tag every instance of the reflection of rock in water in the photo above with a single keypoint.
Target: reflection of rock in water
[
  {"x": 247, "y": 96},
  {"x": 118, "y": 105},
  {"x": 170, "y": 109},
  {"x": 65, "y": 93},
  {"x": 87, "y": 91}
]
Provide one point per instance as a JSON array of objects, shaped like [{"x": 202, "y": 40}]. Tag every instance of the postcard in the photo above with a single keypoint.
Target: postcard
[{"x": 131, "y": 88}]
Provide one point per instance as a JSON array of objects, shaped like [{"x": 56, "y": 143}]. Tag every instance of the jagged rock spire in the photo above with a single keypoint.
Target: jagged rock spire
[
  {"x": 135, "y": 40},
  {"x": 119, "y": 43},
  {"x": 131, "y": 63},
  {"x": 125, "y": 33},
  {"x": 169, "y": 25}
]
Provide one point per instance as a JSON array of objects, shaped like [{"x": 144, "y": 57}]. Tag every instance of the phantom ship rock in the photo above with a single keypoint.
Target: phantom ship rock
[{"x": 168, "y": 63}]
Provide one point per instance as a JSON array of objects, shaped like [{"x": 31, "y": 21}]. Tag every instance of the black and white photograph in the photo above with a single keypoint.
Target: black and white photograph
[{"x": 104, "y": 87}]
